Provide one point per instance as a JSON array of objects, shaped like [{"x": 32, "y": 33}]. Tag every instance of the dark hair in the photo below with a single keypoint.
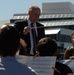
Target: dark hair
[
  {"x": 47, "y": 47},
  {"x": 9, "y": 40}
]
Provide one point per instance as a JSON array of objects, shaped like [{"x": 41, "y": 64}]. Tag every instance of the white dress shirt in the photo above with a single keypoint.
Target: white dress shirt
[{"x": 31, "y": 37}]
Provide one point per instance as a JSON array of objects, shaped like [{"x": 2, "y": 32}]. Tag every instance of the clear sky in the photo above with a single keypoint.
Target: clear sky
[{"x": 10, "y": 7}]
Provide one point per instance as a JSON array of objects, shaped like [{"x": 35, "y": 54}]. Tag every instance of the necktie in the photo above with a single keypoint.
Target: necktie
[{"x": 34, "y": 37}]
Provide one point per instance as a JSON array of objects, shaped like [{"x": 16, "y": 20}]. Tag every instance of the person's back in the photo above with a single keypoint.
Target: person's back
[
  {"x": 9, "y": 66},
  {"x": 9, "y": 45},
  {"x": 62, "y": 68}
]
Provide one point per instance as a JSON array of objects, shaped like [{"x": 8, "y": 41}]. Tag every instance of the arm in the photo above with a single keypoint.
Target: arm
[{"x": 66, "y": 53}]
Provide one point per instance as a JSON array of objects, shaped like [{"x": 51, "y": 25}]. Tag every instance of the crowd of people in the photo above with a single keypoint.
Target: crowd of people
[{"x": 28, "y": 37}]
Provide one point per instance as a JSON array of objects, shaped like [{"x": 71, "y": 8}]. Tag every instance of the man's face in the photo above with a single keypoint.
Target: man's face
[{"x": 34, "y": 16}]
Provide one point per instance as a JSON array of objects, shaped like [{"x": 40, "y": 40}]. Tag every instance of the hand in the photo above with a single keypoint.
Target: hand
[
  {"x": 55, "y": 69},
  {"x": 37, "y": 54},
  {"x": 26, "y": 30}
]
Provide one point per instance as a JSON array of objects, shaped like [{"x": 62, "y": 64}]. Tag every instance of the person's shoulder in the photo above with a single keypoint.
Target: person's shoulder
[
  {"x": 62, "y": 68},
  {"x": 39, "y": 24},
  {"x": 28, "y": 70}
]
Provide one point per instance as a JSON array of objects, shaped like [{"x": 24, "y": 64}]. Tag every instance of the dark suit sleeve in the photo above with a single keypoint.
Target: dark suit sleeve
[
  {"x": 19, "y": 25},
  {"x": 64, "y": 69}
]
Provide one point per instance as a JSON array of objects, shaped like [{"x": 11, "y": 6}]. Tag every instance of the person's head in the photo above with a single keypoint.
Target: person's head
[
  {"x": 9, "y": 41},
  {"x": 34, "y": 13},
  {"x": 72, "y": 38},
  {"x": 47, "y": 47}
]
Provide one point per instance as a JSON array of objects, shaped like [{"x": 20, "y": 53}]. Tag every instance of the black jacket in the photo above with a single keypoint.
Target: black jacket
[{"x": 20, "y": 26}]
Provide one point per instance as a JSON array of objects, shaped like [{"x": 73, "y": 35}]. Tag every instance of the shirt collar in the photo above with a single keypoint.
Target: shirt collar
[{"x": 29, "y": 22}]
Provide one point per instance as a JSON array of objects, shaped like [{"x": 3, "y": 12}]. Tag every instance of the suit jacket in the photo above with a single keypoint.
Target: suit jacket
[{"x": 20, "y": 26}]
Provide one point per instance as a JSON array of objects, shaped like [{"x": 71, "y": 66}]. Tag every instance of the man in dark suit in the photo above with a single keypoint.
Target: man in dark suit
[{"x": 25, "y": 29}]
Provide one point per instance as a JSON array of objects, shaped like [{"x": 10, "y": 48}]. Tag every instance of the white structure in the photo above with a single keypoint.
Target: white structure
[{"x": 57, "y": 7}]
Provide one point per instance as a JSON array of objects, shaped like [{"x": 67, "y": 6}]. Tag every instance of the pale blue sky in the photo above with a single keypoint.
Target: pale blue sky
[{"x": 10, "y": 7}]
